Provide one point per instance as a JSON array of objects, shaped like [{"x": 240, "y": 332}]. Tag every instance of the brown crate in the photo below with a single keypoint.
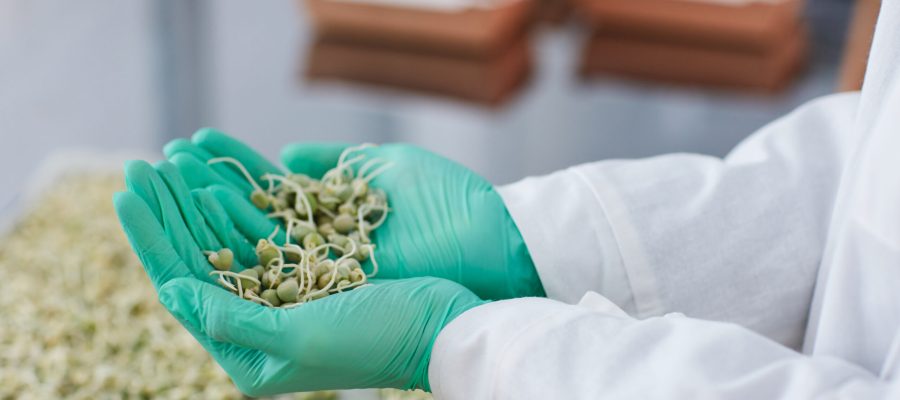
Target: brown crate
[
  {"x": 859, "y": 40},
  {"x": 696, "y": 65},
  {"x": 754, "y": 26},
  {"x": 553, "y": 12},
  {"x": 471, "y": 32},
  {"x": 488, "y": 81}
]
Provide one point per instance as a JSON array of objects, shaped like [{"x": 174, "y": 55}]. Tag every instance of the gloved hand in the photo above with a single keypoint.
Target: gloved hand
[
  {"x": 445, "y": 222},
  {"x": 159, "y": 210},
  {"x": 374, "y": 336}
]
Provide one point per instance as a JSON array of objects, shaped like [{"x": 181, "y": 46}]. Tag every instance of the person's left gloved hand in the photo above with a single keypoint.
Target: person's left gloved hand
[
  {"x": 375, "y": 336},
  {"x": 446, "y": 221}
]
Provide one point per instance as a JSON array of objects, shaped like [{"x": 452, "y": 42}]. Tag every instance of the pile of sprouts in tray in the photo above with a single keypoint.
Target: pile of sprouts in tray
[{"x": 327, "y": 223}]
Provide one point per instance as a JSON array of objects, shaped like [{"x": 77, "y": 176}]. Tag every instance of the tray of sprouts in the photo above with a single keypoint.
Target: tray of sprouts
[{"x": 328, "y": 224}]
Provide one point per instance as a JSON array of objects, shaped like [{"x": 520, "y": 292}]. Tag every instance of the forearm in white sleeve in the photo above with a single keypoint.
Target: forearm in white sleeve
[
  {"x": 736, "y": 239},
  {"x": 543, "y": 349}
]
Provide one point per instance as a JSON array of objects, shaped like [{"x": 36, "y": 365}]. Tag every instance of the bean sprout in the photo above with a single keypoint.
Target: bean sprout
[{"x": 334, "y": 229}]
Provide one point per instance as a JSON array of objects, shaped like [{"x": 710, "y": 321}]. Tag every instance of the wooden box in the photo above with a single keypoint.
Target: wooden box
[
  {"x": 484, "y": 80},
  {"x": 751, "y": 25},
  {"x": 469, "y": 32},
  {"x": 613, "y": 53}
]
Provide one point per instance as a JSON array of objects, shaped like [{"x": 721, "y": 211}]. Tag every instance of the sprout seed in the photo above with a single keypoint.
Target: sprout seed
[{"x": 341, "y": 207}]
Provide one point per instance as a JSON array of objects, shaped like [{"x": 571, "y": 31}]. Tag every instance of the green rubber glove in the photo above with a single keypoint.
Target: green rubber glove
[
  {"x": 375, "y": 336},
  {"x": 378, "y": 336},
  {"x": 446, "y": 221},
  {"x": 159, "y": 206}
]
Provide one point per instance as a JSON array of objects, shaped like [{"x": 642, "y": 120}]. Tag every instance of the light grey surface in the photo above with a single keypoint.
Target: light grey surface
[{"x": 105, "y": 74}]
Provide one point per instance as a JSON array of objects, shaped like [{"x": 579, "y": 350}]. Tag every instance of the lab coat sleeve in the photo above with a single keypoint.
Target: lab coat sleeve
[
  {"x": 737, "y": 239},
  {"x": 533, "y": 348}
]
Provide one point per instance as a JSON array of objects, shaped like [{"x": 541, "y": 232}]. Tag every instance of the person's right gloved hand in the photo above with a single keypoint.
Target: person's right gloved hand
[{"x": 445, "y": 220}]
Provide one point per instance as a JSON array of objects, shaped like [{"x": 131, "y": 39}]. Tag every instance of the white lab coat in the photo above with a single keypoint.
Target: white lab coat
[{"x": 771, "y": 274}]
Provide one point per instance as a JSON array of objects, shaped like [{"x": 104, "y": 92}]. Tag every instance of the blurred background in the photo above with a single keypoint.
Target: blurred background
[
  {"x": 509, "y": 95},
  {"x": 509, "y": 88}
]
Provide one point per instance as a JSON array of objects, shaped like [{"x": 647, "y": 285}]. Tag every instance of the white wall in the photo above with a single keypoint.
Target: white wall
[
  {"x": 99, "y": 73},
  {"x": 73, "y": 73},
  {"x": 258, "y": 52}
]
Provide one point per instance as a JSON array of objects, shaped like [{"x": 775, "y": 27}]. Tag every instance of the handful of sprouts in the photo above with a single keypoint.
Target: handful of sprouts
[{"x": 327, "y": 224}]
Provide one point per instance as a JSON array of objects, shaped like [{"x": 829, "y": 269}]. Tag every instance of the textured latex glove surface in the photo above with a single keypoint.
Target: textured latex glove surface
[
  {"x": 445, "y": 220},
  {"x": 375, "y": 336},
  {"x": 159, "y": 211},
  {"x": 371, "y": 337}
]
